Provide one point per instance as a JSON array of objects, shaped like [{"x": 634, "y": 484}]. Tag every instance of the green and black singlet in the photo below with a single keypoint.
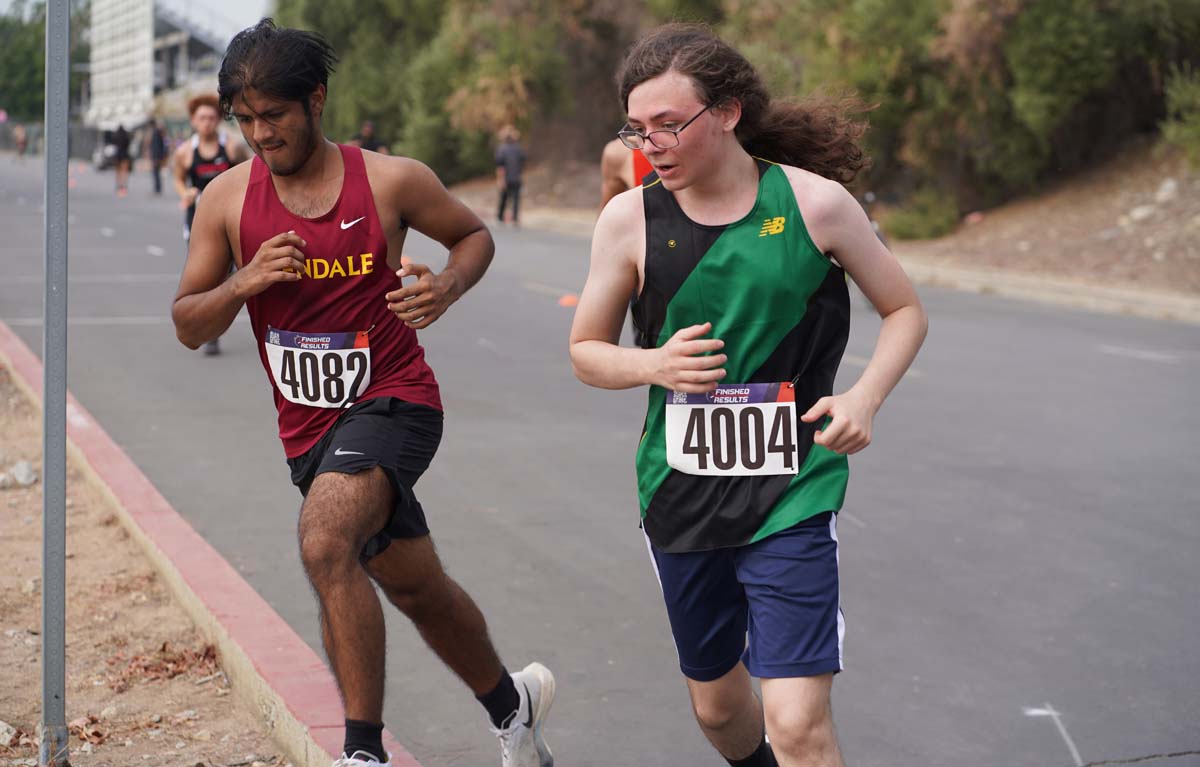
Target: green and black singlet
[{"x": 782, "y": 308}]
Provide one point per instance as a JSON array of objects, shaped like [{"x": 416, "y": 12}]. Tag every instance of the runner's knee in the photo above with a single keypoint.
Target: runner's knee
[
  {"x": 334, "y": 524},
  {"x": 799, "y": 727},
  {"x": 718, "y": 704},
  {"x": 419, "y": 599},
  {"x": 324, "y": 552},
  {"x": 714, "y": 713}
]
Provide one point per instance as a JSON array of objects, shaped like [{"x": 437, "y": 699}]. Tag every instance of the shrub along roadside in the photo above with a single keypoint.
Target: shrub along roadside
[{"x": 1182, "y": 127}]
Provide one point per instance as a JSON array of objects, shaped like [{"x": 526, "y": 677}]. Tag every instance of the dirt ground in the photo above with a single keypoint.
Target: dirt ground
[
  {"x": 142, "y": 686},
  {"x": 1132, "y": 222}
]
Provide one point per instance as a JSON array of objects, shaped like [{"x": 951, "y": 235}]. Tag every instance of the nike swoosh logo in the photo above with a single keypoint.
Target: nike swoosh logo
[
  {"x": 529, "y": 700},
  {"x": 352, "y": 223},
  {"x": 339, "y": 451}
]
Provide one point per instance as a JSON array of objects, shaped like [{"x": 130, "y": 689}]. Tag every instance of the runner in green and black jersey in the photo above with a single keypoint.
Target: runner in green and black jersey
[{"x": 737, "y": 253}]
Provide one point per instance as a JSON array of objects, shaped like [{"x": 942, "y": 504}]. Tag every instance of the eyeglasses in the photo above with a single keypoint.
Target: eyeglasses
[{"x": 663, "y": 139}]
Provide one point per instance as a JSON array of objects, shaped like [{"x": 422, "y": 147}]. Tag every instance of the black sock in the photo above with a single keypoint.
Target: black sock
[
  {"x": 763, "y": 756},
  {"x": 364, "y": 736},
  {"x": 502, "y": 702}
]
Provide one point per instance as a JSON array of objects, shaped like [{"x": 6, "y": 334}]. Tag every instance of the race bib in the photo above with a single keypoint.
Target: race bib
[
  {"x": 737, "y": 430},
  {"x": 319, "y": 369}
]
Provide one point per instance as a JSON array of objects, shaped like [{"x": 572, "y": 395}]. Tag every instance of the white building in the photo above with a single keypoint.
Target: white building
[{"x": 148, "y": 57}]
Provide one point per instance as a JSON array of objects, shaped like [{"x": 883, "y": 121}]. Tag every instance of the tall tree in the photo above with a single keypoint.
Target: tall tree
[{"x": 23, "y": 57}]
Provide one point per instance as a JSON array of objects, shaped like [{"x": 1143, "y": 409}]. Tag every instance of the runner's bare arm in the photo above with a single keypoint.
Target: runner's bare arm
[
  {"x": 597, "y": 358},
  {"x": 238, "y": 151},
  {"x": 431, "y": 210},
  {"x": 207, "y": 302},
  {"x": 840, "y": 227},
  {"x": 180, "y": 164},
  {"x": 615, "y": 164}
]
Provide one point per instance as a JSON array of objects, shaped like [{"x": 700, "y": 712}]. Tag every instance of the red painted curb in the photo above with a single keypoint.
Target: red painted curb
[{"x": 280, "y": 657}]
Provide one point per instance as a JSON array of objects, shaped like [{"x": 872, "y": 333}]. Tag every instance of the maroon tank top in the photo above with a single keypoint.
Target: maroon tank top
[{"x": 339, "y": 305}]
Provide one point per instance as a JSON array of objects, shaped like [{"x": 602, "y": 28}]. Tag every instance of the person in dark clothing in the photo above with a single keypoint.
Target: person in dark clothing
[
  {"x": 121, "y": 143},
  {"x": 366, "y": 139},
  {"x": 158, "y": 153},
  {"x": 510, "y": 161}
]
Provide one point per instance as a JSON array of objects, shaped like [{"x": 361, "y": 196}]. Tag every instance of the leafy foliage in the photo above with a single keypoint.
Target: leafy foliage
[
  {"x": 930, "y": 212},
  {"x": 1182, "y": 127},
  {"x": 484, "y": 70},
  {"x": 980, "y": 99},
  {"x": 23, "y": 57},
  {"x": 440, "y": 78}
]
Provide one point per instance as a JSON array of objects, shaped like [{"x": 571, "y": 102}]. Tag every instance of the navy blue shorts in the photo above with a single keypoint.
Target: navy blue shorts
[{"x": 774, "y": 604}]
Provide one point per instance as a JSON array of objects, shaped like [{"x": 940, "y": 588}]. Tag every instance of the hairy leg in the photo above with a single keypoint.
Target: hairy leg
[
  {"x": 340, "y": 513},
  {"x": 411, "y": 576}
]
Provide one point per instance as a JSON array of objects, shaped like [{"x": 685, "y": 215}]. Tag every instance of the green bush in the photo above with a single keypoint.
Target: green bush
[
  {"x": 983, "y": 97},
  {"x": 1058, "y": 52},
  {"x": 929, "y": 213},
  {"x": 1182, "y": 126}
]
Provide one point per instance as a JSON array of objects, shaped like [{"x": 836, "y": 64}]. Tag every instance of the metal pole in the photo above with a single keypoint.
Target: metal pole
[{"x": 53, "y": 729}]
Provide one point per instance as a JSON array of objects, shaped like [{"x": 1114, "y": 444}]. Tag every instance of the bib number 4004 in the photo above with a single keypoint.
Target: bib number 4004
[
  {"x": 734, "y": 440},
  {"x": 738, "y": 430},
  {"x": 321, "y": 379}
]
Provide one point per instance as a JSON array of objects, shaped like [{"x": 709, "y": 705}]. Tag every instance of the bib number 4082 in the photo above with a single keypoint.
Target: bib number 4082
[
  {"x": 321, "y": 380},
  {"x": 319, "y": 369},
  {"x": 741, "y": 439}
]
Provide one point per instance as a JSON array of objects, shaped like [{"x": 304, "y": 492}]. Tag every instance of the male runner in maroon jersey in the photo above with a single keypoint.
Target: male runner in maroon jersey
[
  {"x": 197, "y": 162},
  {"x": 316, "y": 230}
]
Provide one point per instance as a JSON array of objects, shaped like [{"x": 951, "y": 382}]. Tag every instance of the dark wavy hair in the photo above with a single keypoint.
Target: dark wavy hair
[
  {"x": 817, "y": 134},
  {"x": 279, "y": 62}
]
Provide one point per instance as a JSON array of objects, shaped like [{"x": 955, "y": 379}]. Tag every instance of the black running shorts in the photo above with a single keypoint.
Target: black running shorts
[{"x": 397, "y": 436}]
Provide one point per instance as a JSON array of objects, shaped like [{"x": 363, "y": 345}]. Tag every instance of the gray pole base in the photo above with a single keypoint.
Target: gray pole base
[{"x": 53, "y": 751}]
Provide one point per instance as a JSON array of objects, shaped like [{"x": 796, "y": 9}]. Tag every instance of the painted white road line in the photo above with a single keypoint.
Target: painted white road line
[
  {"x": 851, "y": 518},
  {"x": 546, "y": 290},
  {"x": 171, "y": 278},
  {"x": 135, "y": 320},
  {"x": 1145, "y": 355},
  {"x": 862, "y": 362},
  {"x": 154, "y": 250},
  {"x": 1048, "y": 710},
  {"x": 107, "y": 231}
]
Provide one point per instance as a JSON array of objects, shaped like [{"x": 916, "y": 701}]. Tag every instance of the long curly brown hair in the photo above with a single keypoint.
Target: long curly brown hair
[{"x": 818, "y": 133}]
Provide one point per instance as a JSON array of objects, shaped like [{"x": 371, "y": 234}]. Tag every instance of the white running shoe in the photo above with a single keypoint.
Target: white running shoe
[
  {"x": 361, "y": 759},
  {"x": 521, "y": 741}
]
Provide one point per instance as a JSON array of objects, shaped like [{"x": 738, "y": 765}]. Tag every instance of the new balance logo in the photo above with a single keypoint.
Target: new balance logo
[{"x": 772, "y": 226}]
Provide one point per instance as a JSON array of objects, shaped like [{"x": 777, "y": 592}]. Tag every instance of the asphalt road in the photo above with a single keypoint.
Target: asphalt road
[{"x": 1021, "y": 537}]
